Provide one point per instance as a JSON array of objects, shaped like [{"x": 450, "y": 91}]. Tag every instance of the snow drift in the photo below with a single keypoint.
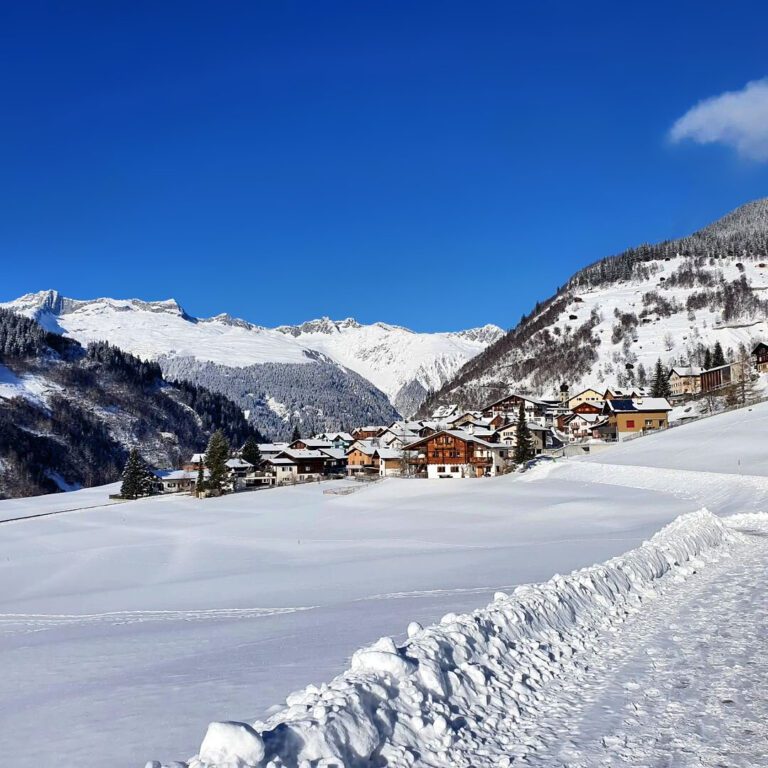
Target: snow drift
[{"x": 455, "y": 693}]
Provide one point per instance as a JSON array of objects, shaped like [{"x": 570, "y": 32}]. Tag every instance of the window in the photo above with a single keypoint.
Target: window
[
  {"x": 454, "y": 469},
  {"x": 630, "y": 423},
  {"x": 441, "y": 469}
]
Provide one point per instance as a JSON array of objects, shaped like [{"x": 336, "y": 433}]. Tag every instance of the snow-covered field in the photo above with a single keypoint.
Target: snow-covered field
[{"x": 125, "y": 630}]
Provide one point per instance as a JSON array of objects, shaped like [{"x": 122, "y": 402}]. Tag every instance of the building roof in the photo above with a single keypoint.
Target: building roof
[
  {"x": 312, "y": 442},
  {"x": 638, "y": 405},
  {"x": 334, "y": 453},
  {"x": 684, "y": 372},
  {"x": 279, "y": 460},
  {"x": 197, "y": 458},
  {"x": 461, "y": 435},
  {"x": 272, "y": 447},
  {"x": 301, "y": 453},
  {"x": 527, "y": 399},
  {"x": 388, "y": 453},
  {"x": 364, "y": 446},
  {"x": 178, "y": 474},
  {"x": 238, "y": 464}
]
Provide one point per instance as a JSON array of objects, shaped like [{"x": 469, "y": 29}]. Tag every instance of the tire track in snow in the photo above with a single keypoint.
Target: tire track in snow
[{"x": 17, "y": 623}]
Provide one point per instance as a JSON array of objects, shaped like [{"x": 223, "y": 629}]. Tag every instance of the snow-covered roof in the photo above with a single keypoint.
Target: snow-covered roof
[
  {"x": 272, "y": 447},
  {"x": 314, "y": 443},
  {"x": 364, "y": 446},
  {"x": 461, "y": 435},
  {"x": 334, "y": 453},
  {"x": 238, "y": 464},
  {"x": 302, "y": 453},
  {"x": 641, "y": 405},
  {"x": 178, "y": 474},
  {"x": 388, "y": 453},
  {"x": 689, "y": 371},
  {"x": 197, "y": 458},
  {"x": 279, "y": 460}
]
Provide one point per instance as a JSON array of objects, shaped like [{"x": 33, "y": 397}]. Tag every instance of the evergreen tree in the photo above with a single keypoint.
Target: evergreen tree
[
  {"x": 707, "y": 359},
  {"x": 660, "y": 386},
  {"x": 251, "y": 452},
  {"x": 718, "y": 358},
  {"x": 524, "y": 450},
  {"x": 216, "y": 455},
  {"x": 296, "y": 433},
  {"x": 137, "y": 478},
  {"x": 200, "y": 484}
]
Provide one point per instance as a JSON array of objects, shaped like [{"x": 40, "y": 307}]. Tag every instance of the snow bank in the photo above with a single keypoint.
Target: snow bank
[{"x": 451, "y": 691}]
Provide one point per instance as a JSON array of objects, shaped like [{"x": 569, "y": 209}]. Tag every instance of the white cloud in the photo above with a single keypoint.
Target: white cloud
[{"x": 738, "y": 119}]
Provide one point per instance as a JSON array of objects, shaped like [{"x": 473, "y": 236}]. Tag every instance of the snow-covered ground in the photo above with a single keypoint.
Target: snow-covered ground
[{"x": 125, "y": 630}]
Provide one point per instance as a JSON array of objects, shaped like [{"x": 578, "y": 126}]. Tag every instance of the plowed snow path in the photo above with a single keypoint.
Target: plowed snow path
[{"x": 682, "y": 684}]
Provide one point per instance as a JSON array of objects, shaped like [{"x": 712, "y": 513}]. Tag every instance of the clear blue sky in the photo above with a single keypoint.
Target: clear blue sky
[{"x": 281, "y": 161}]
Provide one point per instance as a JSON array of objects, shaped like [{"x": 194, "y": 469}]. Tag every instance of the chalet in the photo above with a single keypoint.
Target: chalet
[
  {"x": 760, "y": 357},
  {"x": 337, "y": 439},
  {"x": 238, "y": 467},
  {"x": 193, "y": 464},
  {"x": 366, "y": 433},
  {"x": 579, "y": 426},
  {"x": 390, "y": 462},
  {"x": 588, "y": 407},
  {"x": 586, "y": 397},
  {"x": 271, "y": 449},
  {"x": 453, "y": 453},
  {"x": 177, "y": 480},
  {"x": 684, "y": 381},
  {"x": 508, "y": 407},
  {"x": 309, "y": 464},
  {"x": 625, "y": 416},
  {"x": 468, "y": 417},
  {"x": 335, "y": 460},
  {"x": 361, "y": 458},
  {"x": 310, "y": 444},
  {"x": 443, "y": 413},
  {"x": 282, "y": 469}
]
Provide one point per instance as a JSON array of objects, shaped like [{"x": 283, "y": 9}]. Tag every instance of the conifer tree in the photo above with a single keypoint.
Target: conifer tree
[
  {"x": 216, "y": 455},
  {"x": 660, "y": 386},
  {"x": 718, "y": 358},
  {"x": 296, "y": 434},
  {"x": 137, "y": 478},
  {"x": 251, "y": 452},
  {"x": 524, "y": 450},
  {"x": 707, "y": 359},
  {"x": 200, "y": 484}
]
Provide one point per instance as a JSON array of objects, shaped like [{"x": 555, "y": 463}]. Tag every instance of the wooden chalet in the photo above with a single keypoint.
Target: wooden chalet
[
  {"x": 760, "y": 357},
  {"x": 453, "y": 453}
]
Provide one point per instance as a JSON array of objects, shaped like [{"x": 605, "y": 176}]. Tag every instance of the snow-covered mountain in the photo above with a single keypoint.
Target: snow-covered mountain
[
  {"x": 614, "y": 319},
  {"x": 400, "y": 363}
]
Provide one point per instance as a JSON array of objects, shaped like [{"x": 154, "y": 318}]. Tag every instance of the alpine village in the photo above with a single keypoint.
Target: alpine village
[{"x": 510, "y": 434}]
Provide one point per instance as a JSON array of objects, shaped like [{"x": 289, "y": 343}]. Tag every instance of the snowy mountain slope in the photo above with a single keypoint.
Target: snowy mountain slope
[
  {"x": 615, "y": 318},
  {"x": 68, "y": 416},
  {"x": 390, "y": 357}
]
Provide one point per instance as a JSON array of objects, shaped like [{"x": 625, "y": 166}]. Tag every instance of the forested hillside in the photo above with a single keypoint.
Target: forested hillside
[
  {"x": 69, "y": 414},
  {"x": 613, "y": 319}
]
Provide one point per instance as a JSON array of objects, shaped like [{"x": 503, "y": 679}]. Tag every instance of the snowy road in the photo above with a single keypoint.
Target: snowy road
[{"x": 681, "y": 684}]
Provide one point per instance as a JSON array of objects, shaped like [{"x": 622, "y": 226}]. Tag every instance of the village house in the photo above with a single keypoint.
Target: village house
[
  {"x": 310, "y": 444},
  {"x": 310, "y": 464},
  {"x": 361, "y": 458},
  {"x": 337, "y": 439},
  {"x": 177, "y": 480},
  {"x": 335, "y": 460},
  {"x": 684, "y": 381},
  {"x": 390, "y": 462},
  {"x": 586, "y": 397},
  {"x": 719, "y": 377},
  {"x": 367, "y": 432},
  {"x": 281, "y": 469},
  {"x": 508, "y": 408},
  {"x": 623, "y": 417},
  {"x": 579, "y": 426},
  {"x": 760, "y": 357},
  {"x": 455, "y": 454}
]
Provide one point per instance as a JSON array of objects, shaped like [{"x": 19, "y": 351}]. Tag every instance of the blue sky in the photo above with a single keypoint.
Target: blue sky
[{"x": 437, "y": 165}]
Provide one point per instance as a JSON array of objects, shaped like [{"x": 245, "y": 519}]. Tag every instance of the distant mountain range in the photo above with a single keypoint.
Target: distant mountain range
[
  {"x": 611, "y": 322},
  {"x": 323, "y": 374}
]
